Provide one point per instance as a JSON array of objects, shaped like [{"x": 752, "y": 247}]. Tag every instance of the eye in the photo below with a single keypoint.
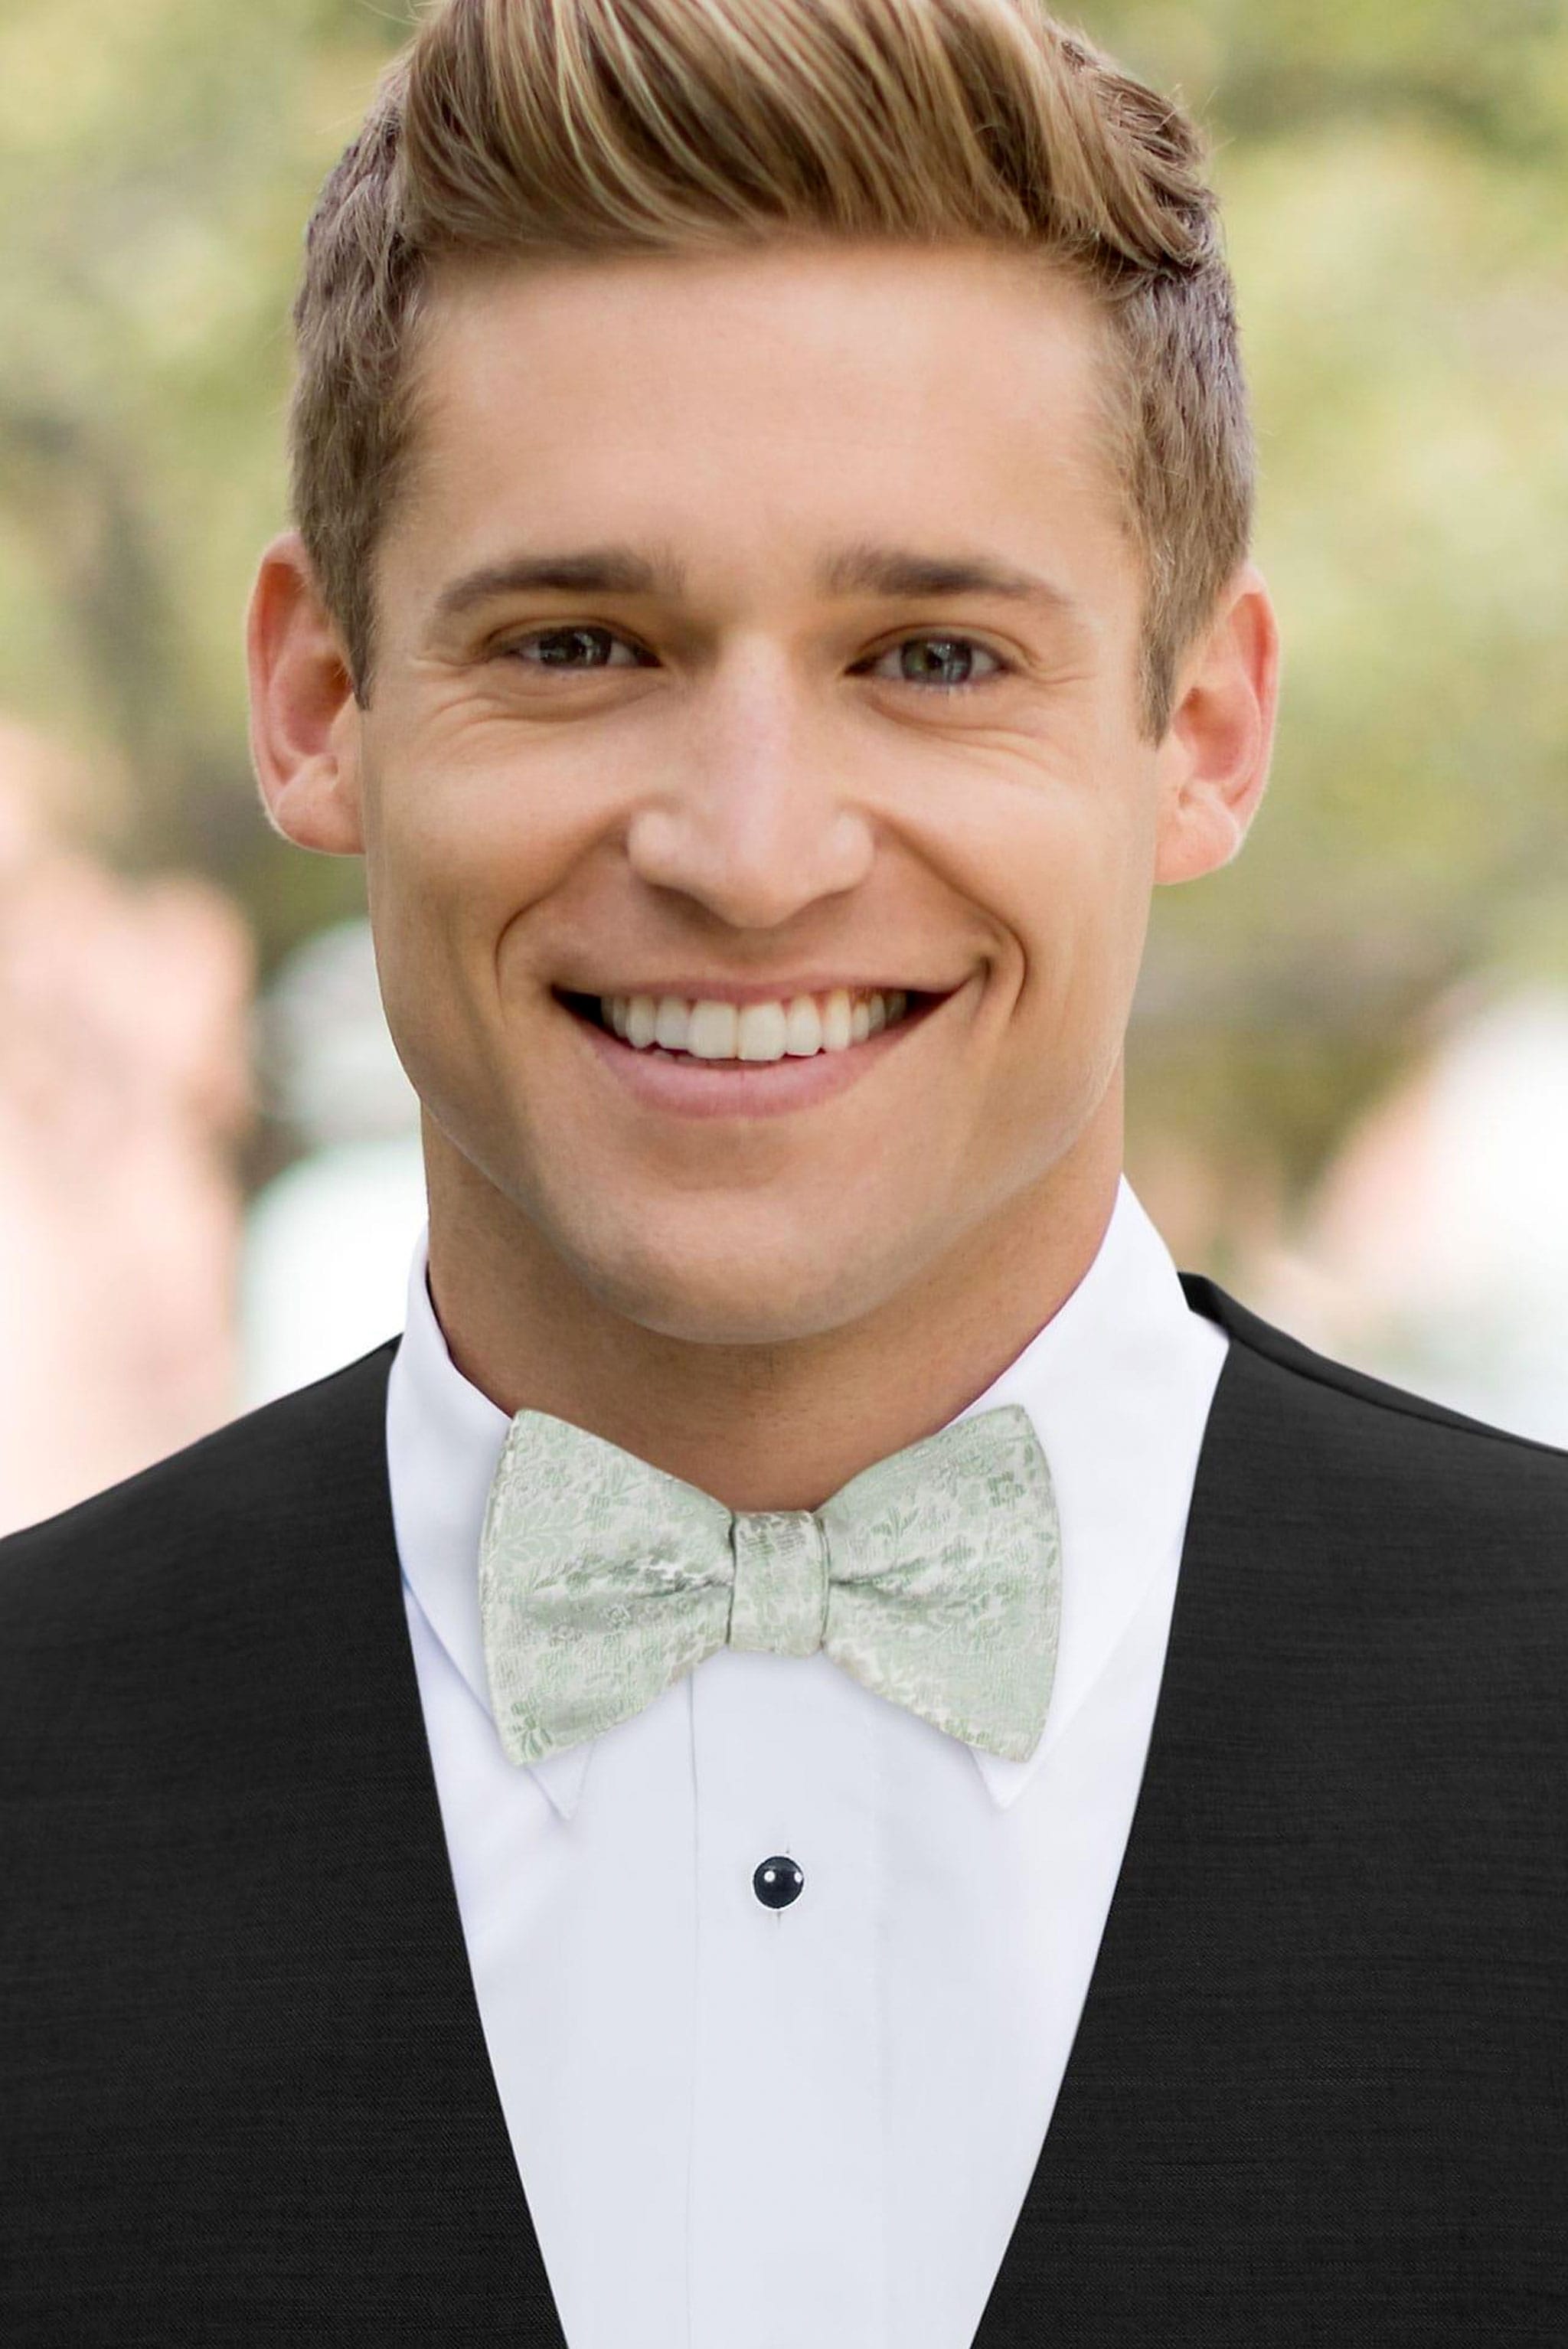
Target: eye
[
  {"x": 946, "y": 663},
  {"x": 573, "y": 648}
]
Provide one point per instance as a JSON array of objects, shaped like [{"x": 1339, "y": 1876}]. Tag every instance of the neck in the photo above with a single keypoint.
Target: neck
[{"x": 779, "y": 1426}]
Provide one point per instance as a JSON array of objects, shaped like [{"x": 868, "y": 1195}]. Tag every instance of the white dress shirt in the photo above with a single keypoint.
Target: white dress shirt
[{"x": 813, "y": 2127}]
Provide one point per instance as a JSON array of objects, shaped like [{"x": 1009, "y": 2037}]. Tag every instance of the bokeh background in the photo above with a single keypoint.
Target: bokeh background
[{"x": 1349, "y": 1064}]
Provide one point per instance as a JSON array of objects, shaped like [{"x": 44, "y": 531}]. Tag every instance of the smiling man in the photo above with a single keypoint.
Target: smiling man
[
  {"x": 761, "y": 810},
  {"x": 825, "y": 1753}
]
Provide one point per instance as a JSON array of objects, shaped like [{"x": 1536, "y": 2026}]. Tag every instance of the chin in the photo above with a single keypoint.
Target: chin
[{"x": 731, "y": 1300}]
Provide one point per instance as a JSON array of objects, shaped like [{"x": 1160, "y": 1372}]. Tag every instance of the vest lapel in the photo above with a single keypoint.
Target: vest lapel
[
  {"x": 419, "y": 2195},
  {"x": 1125, "y": 2160},
  {"x": 1242, "y": 2149}
]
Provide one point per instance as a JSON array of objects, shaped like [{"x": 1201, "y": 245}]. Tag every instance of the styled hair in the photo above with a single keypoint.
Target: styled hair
[{"x": 580, "y": 128}]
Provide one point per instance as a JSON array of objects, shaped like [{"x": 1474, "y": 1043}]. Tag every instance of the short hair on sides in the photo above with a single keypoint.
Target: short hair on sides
[{"x": 551, "y": 128}]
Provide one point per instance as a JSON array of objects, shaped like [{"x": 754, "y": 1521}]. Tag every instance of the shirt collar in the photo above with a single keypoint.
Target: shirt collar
[{"x": 1117, "y": 1385}]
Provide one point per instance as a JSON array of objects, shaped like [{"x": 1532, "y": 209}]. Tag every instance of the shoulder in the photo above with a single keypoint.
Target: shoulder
[
  {"x": 1377, "y": 1586},
  {"x": 1369, "y": 1451},
  {"x": 238, "y": 1503}
]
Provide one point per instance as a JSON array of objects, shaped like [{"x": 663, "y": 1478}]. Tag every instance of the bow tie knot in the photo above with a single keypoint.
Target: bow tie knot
[
  {"x": 779, "y": 1598},
  {"x": 932, "y": 1578}
]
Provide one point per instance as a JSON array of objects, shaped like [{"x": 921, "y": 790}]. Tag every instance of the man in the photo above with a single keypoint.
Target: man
[{"x": 826, "y": 1752}]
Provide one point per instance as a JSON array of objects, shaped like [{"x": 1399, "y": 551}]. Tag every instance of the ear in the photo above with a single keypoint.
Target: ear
[
  {"x": 1214, "y": 760},
  {"x": 304, "y": 721}
]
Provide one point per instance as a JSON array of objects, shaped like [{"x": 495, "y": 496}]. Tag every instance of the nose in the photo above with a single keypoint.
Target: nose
[{"x": 757, "y": 820}]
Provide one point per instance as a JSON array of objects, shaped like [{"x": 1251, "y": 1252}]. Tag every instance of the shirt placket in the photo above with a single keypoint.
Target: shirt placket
[{"x": 787, "y": 2186}]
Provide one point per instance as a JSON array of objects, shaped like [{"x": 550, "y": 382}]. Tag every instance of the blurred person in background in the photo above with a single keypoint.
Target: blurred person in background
[
  {"x": 825, "y": 1749},
  {"x": 124, "y": 1087}
]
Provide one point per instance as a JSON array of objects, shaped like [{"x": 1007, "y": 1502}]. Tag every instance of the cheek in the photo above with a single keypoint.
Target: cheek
[
  {"x": 456, "y": 855},
  {"x": 440, "y": 901},
  {"x": 1072, "y": 876}
]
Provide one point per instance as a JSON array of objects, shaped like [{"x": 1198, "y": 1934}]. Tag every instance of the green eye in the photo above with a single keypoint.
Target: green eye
[
  {"x": 947, "y": 663},
  {"x": 571, "y": 648}
]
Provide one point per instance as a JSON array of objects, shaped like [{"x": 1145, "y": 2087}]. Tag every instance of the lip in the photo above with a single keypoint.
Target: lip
[{"x": 748, "y": 1088}]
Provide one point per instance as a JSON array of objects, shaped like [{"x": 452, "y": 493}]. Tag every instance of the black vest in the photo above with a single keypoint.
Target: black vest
[{"x": 1319, "y": 2092}]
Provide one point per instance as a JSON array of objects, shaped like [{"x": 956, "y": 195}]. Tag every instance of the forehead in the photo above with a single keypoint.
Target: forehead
[{"x": 770, "y": 398}]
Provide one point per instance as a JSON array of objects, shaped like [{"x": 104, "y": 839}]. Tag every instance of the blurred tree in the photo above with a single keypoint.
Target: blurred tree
[
  {"x": 1394, "y": 185},
  {"x": 1393, "y": 182},
  {"x": 164, "y": 160}
]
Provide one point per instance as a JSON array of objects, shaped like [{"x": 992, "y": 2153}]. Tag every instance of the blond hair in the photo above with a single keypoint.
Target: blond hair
[{"x": 536, "y": 128}]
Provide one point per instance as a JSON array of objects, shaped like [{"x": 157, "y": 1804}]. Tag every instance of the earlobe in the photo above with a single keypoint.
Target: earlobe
[
  {"x": 304, "y": 723},
  {"x": 1214, "y": 760}
]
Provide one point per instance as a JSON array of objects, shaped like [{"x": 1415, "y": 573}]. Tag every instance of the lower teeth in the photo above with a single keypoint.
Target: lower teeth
[{"x": 702, "y": 1060}]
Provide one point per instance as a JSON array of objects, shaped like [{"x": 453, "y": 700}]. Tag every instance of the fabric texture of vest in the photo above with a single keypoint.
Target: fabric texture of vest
[{"x": 1319, "y": 2091}]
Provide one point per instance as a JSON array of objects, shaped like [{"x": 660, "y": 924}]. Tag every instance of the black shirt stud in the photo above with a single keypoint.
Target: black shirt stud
[{"x": 777, "y": 1881}]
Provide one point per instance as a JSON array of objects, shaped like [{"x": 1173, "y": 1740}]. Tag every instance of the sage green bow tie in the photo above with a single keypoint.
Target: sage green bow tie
[{"x": 934, "y": 1577}]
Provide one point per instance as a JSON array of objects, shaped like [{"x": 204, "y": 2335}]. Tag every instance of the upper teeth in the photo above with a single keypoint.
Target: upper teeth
[{"x": 711, "y": 1031}]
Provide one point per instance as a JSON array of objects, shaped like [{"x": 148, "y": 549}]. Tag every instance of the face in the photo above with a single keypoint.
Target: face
[{"x": 754, "y": 628}]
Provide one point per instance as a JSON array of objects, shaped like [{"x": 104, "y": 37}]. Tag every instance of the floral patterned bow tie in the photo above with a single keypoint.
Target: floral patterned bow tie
[{"x": 934, "y": 1577}]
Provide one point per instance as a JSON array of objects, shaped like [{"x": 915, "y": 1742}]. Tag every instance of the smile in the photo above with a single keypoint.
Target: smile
[
  {"x": 752, "y": 1060},
  {"x": 710, "y": 1028}
]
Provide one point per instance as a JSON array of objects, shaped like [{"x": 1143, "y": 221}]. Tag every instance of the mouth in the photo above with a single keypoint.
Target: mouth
[
  {"x": 753, "y": 1060},
  {"x": 710, "y": 1034}
]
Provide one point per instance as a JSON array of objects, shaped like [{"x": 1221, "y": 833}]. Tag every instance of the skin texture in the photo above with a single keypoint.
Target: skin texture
[{"x": 761, "y": 785}]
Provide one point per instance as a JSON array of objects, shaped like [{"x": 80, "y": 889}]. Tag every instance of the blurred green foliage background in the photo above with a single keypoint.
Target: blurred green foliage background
[{"x": 1395, "y": 185}]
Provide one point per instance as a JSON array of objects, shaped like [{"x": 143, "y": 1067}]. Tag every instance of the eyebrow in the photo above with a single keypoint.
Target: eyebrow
[
  {"x": 861, "y": 569},
  {"x": 865, "y": 569},
  {"x": 596, "y": 571}
]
